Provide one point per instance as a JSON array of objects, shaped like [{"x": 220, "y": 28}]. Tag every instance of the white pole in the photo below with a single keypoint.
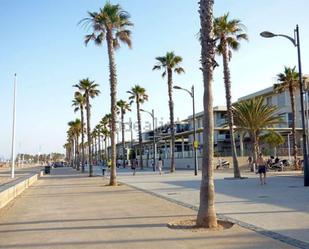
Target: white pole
[
  {"x": 13, "y": 131},
  {"x": 289, "y": 147}
]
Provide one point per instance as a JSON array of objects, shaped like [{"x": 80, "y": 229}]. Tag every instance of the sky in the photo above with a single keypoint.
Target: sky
[{"x": 42, "y": 43}]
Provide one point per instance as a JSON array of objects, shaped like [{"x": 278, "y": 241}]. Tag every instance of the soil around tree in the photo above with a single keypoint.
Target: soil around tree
[{"x": 190, "y": 225}]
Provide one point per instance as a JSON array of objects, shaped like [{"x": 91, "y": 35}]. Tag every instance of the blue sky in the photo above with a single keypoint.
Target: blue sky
[{"x": 42, "y": 43}]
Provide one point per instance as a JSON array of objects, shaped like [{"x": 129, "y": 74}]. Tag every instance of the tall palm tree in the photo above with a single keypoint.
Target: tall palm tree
[
  {"x": 89, "y": 89},
  {"x": 94, "y": 136},
  {"x": 288, "y": 80},
  {"x": 106, "y": 131},
  {"x": 228, "y": 34},
  {"x": 206, "y": 215},
  {"x": 123, "y": 107},
  {"x": 75, "y": 130},
  {"x": 68, "y": 148},
  {"x": 254, "y": 117},
  {"x": 111, "y": 23},
  {"x": 98, "y": 129},
  {"x": 170, "y": 63},
  {"x": 79, "y": 105},
  {"x": 139, "y": 96}
]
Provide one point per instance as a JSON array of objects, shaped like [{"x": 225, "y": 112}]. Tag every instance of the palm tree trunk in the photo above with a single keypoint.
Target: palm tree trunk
[
  {"x": 96, "y": 149},
  {"x": 241, "y": 143},
  {"x": 73, "y": 153},
  {"x": 89, "y": 136},
  {"x": 77, "y": 152},
  {"x": 122, "y": 137},
  {"x": 206, "y": 216},
  {"x": 99, "y": 148},
  {"x": 227, "y": 82},
  {"x": 292, "y": 98},
  {"x": 105, "y": 141},
  {"x": 171, "y": 107},
  {"x": 113, "y": 89},
  {"x": 255, "y": 147},
  {"x": 140, "y": 139},
  {"x": 82, "y": 147}
]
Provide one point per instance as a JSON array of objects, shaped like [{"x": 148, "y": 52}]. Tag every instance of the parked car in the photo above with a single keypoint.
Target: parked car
[{"x": 58, "y": 164}]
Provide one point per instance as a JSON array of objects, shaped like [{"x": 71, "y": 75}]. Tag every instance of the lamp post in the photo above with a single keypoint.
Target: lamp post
[
  {"x": 13, "y": 131},
  {"x": 296, "y": 43},
  {"x": 289, "y": 147},
  {"x": 154, "y": 139},
  {"x": 191, "y": 93}
]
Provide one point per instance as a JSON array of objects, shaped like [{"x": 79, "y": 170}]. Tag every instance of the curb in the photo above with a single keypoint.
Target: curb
[{"x": 10, "y": 191}]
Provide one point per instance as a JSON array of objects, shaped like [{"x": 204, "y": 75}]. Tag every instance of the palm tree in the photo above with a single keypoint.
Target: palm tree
[
  {"x": 75, "y": 130},
  {"x": 79, "y": 104},
  {"x": 139, "y": 96},
  {"x": 111, "y": 23},
  {"x": 98, "y": 129},
  {"x": 94, "y": 136},
  {"x": 106, "y": 130},
  {"x": 68, "y": 148},
  {"x": 288, "y": 80},
  {"x": 206, "y": 215},
  {"x": 89, "y": 90},
  {"x": 169, "y": 64},
  {"x": 228, "y": 33},
  {"x": 273, "y": 139},
  {"x": 254, "y": 117},
  {"x": 123, "y": 107}
]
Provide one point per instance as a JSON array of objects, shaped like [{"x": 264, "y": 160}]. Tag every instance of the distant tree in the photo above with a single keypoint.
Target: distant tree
[
  {"x": 170, "y": 63},
  {"x": 123, "y": 107},
  {"x": 273, "y": 139},
  {"x": 288, "y": 80},
  {"x": 79, "y": 105},
  {"x": 139, "y": 96},
  {"x": 253, "y": 117},
  {"x": 89, "y": 90},
  {"x": 75, "y": 131}
]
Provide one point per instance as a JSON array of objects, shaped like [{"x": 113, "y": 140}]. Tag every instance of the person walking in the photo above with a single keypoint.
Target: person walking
[
  {"x": 134, "y": 165},
  {"x": 160, "y": 165},
  {"x": 261, "y": 163}
]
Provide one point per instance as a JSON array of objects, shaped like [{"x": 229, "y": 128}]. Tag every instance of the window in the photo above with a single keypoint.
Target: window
[
  {"x": 284, "y": 120},
  {"x": 290, "y": 119},
  {"x": 269, "y": 101},
  {"x": 281, "y": 99}
]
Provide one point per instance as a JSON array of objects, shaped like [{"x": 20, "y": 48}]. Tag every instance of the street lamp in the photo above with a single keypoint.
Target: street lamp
[
  {"x": 191, "y": 93},
  {"x": 154, "y": 139},
  {"x": 296, "y": 43}
]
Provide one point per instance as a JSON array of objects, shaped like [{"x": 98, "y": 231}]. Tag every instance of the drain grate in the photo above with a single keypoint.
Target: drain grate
[
  {"x": 171, "y": 193},
  {"x": 293, "y": 186}
]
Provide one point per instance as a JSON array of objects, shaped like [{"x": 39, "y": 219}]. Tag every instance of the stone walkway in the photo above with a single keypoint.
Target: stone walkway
[
  {"x": 279, "y": 209},
  {"x": 5, "y": 173},
  {"x": 70, "y": 210}
]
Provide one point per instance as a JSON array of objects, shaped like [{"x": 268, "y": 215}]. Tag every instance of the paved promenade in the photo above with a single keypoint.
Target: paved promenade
[
  {"x": 279, "y": 209},
  {"x": 5, "y": 173},
  {"x": 69, "y": 210}
]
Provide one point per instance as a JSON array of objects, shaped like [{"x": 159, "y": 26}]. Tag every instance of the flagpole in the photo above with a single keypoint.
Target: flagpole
[{"x": 13, "y": 130}]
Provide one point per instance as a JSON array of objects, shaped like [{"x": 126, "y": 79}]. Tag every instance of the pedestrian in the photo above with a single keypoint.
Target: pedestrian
[
  {"x": 261, "y": 168},
  {"x": 160, "y": 165},
  {"x": 133, "y": 165},
  {"x": 250, "y": 161}
]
